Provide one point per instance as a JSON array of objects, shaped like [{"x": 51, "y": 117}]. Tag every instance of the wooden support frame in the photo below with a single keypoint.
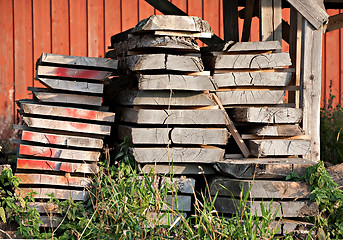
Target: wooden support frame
[{"x": 270, "y": 20}]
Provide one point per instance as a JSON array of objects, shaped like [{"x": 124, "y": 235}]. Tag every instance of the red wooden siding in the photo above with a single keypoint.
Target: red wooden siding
[{"x": 84, "y": 28}]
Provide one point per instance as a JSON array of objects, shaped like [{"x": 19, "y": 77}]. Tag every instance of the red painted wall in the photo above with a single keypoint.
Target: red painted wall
[{"x": 84, "y": 28}]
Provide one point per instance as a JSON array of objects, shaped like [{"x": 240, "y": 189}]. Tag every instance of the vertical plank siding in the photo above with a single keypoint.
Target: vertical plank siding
[{"x": 84, "y": 28}]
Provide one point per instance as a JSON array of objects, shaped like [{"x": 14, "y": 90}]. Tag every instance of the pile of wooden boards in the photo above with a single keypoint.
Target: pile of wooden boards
[
  {"x": 164, "y": 109},
  {"x": 252, "y": 78},
  {"x": 61, "y": 138}
]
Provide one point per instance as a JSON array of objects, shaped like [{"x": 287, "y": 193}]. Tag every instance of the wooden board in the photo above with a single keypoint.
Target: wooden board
[
  {"x": 180, "y": 202},
  {"x": 271, "y": 20},
  {"x": 48, "y": 58},
  {"x": 173, "y": 23},
  {"x": 248, "y": 61},
  {"x": 62, "y": 140},
  {"x": 175, "y": 82},
  {"x": 277, "y": 130},
  {"x": 178, "y": 169},
  {"x": 174, "y": 116},
  {"x": 56, "y": 180},
  {"x": 68, "y": 112},
  {"x": 244, "y": 47},
  {"x": 274, "y": 168},
  {"x": 200, "y": 136},
  {"x": 75, "y": 86},
  {"x": 55, "y": 97},
  {"x": 63, "y": 72},
  {"x": 49, "y": 165},
  {"x": 267, "y": 115},
  {"x": 58, "y": 153},
  {"x": 44, "y": 207},
  {"x": 177, "y": 155},
  {"x": 236, "y": 79},
  {"x": 164, "y": 62},
  {"x": 251, "y": 97},
  {"x": 281, "y": 209},
  {"x": 179, "y": 184},
  {"x": 50, "y": 221},
  {"x": 262, "y": 189},
  {"x": 164, "y": 98},
  {"x": 149, "y": 42},
  {"x": 62, "y": 194},
  {"x": 67, "y": 126},
  {"x": 279, "y": 147}
]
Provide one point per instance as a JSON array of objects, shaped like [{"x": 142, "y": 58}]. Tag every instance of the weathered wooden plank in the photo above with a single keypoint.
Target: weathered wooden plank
[
  {"x": 311, "y": 11},
  {"x": 56, "y": 97},
  {"x": 232, "y": 79},
  {"x": 251, "y": 97},
  {"x": 178, "y": 169},
  {"x": 173, "y": 116},
  {"x": 279, "y": 147},
  {"x": 62, "y": 140},
  {"x": 62, "y": 194},
  {"x": 164, "y": 98},
  {"x": 259, "y": 188},
  {"x": 181, "y": 185},
  {"x": 248, "y": 61},
  {"x": 44, "y": 207},
  {"x": 69, "y": 72},
  {"x": 50, "y": 221},
  {"x": 179, "y": 202},
  {"x": 277, "y": 130},
  {"x": 54, "y": 180},
  {"x": 150, "y": 42},
  {"x": 164, "y": 62},
  {"x": 173, "y": 23},
  {"x": 243, "y": 47},
  {"x": 281, "y": 209},
  {"x": 335, "y": 22},
  {"x": 75, "y": 86},
  {"x": 175, "y": 82},
  {"x": 67, "y": 126},
  {"x": 69, "y": 112},
  {"x": 270, "y": 20},
  {"x": 48, "y": 58},
  {"x": 202, "y": 136},
  {"x": 59, "y": 153},
  {"x": 267, "y": 115},
  {"x": 48, "y": 165},
  {"x": 178, "y": 155},
  {"x": 310, "y": 78},
  {"x": 274, "y": 168}
]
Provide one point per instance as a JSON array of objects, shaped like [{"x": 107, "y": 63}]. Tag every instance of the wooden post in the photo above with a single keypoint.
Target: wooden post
[
  {"x": 311, "y": 60},
  {"x": 295, "y": 53},
  {"x": 230, "y": 16},
  {"x": 270, "y": 20},
  {"x": 248, "y": 15}
]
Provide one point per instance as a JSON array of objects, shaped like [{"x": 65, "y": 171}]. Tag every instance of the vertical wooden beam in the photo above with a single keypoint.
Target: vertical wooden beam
[
  {"x": 270, "y": 20},
  {"x": 295, "y": 53},
  {"x": 230, "y": 17},
  {"x": 311, "y": 60},
  {"x": 248, "y": 14}
]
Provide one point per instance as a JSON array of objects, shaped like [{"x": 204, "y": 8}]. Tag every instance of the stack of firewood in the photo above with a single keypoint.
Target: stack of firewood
[
  {"x": 163, "y": 109},
  {"x": 63, "y": 127},
  {"x": 252, "y": 78}
]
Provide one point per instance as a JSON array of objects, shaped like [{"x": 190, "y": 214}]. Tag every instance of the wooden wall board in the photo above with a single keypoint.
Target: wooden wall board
[
  {"x": 95, "y": 28},
  {"x": 77, "y": 127},
  {"x": 177, "y": 155},
  {"x": 60, "y": 27},
  {"x": 56, "y": 166},
  {"x": 53, "y": 180},
  {"x": 58, "y": 153},
  {"x": 113, "y": 20}
]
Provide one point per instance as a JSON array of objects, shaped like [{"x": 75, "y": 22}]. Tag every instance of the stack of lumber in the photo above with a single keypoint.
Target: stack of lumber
[
  {"x": 61, "y": 138},
  {"x": 264, "y": 181},
  {"x": 164, "y": 111},
  {"x": 252, "y": 78}
]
